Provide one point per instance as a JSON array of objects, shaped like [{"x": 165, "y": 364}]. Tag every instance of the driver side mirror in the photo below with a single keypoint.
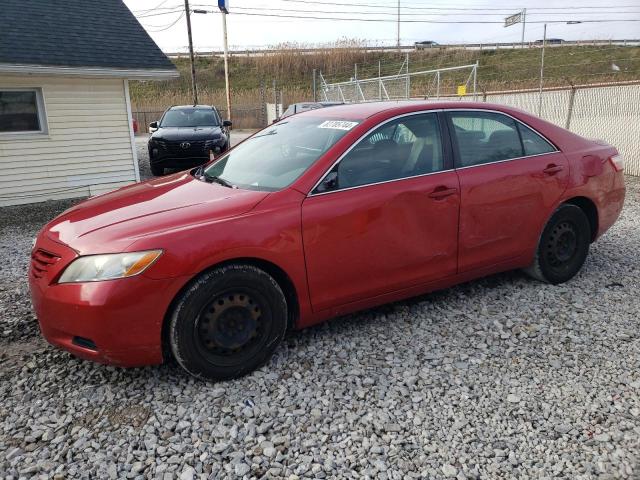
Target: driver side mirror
[
  {"x": 153, "y": 125},
  {"x": 328, "y": 183},
  {"x": 227, "y": 123}
]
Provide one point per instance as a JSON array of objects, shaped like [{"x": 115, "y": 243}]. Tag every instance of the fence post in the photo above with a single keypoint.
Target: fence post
[
  {"x": 572, "y": 95},
  {"x": 263, "y": 105},
  {"x": 475, "y": 80},
  {"x": 315, "y": 96},
  {"x": 380, "y": 80},
  {"x": 275, "y": 98},
  {"x": 408, "y": 82},
  {"x": 355, "y": 89}
]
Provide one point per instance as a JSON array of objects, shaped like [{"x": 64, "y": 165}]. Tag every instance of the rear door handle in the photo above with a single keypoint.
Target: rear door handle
[
  {"x": 552, "y": 169},
  {"x": 442, "y": 192}
]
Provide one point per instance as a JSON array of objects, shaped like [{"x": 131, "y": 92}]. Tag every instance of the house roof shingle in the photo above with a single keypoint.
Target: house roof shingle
[{"x": 76, "y": 33}]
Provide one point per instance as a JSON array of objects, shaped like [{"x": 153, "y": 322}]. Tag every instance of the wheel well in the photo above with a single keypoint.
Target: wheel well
[
  {"x": 279, "y": 275},
  {"x": 590, "y": 210}
]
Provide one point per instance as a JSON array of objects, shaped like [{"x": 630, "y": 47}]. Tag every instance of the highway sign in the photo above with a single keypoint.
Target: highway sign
[{"x": 513, "y": 19}]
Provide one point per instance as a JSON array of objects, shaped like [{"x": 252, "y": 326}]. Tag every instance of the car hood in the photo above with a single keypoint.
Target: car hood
[
  {"x": 187, "y": 133},
  {"x": 113, "y": 221}
]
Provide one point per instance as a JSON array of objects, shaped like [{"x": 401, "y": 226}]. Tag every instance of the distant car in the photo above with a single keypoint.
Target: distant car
[
  {"x": 332, "y": 211},
  {"x": 304, "y": 107},
  {"x": 426, "y": 44},
  {"x": 187, "y": 136},
  {"x": 550, "y": 41}
]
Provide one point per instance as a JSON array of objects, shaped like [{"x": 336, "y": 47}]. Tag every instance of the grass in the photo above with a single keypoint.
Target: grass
[{"x": 252, "y": 77}]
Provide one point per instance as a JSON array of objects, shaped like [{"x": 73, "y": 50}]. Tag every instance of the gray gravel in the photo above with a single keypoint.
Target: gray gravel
[{"x": 498, "y": 378}]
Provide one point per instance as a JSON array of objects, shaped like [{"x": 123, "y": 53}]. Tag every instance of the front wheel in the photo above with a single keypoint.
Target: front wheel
[
  {"x": 563, "y": 246},
  {"x": 156, "y": 170},
  {"x": 228, "y": 322}
]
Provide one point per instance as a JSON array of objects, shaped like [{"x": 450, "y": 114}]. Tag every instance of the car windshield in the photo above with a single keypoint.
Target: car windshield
[
  {"x": 190, "y": 117},
  {"x": 276, "y": 156}
]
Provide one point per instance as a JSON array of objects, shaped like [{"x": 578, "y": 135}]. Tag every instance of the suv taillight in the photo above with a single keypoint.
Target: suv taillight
[{"x": 618, "y": 162}]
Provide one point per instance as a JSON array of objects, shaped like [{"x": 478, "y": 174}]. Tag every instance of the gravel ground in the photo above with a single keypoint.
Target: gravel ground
[{"x": 499, "y": 378}]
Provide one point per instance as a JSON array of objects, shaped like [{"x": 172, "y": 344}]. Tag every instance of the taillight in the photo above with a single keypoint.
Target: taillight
[{"x": 618, "y": 162}]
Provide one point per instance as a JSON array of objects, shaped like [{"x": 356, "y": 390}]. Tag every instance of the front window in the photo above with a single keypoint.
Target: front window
[
  {"x": 406, "y": 147},
  {"x": 21, "y": 111},
  {"x": 190, "y": 117},
  {"x": 276, "y": 156}
]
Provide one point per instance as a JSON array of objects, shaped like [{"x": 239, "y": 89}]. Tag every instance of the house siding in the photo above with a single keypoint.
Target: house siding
[{"x": 88, "y": 148}]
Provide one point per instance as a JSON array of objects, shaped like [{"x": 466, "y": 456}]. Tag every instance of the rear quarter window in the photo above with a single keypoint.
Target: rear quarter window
[{"x": 533, "y": 143}]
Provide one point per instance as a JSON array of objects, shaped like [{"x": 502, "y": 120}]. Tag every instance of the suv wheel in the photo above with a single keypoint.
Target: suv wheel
[{"x": 156, "y": 170}]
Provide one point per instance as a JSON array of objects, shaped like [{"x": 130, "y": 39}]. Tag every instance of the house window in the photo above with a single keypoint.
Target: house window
[{"x": 21, "y": 111}]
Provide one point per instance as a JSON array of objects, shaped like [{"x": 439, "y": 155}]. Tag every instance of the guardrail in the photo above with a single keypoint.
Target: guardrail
[{"x": 411, "y": 47}]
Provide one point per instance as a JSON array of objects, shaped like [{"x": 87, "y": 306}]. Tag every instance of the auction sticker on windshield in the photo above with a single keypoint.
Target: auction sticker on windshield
[{"x": 338, "y": 124}]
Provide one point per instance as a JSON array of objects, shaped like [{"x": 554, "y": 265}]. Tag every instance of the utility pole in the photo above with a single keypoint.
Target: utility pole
[
  {"x": 398, "y": 28},
  {"x": 194, "y": 86},
  {"x": 524, "y": 22},
  {"x": 544, "y": 43},
  {"x": 226, "y": 64}
]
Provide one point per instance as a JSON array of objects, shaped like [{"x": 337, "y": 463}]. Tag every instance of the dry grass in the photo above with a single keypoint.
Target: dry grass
[{"x": 252, "y": 77}]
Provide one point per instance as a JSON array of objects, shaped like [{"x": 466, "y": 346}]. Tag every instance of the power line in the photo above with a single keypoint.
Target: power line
[
  {"x": 168, "y": 26},
  {"x": 254, "y": 9},
  {"x": 351, "y": 19},
  {"x": 506, "y": 10},
  {"x": 151, "y": 9}
]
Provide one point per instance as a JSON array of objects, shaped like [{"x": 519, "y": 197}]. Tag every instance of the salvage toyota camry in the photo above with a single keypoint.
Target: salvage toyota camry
[{"x": 321, "y": 214}]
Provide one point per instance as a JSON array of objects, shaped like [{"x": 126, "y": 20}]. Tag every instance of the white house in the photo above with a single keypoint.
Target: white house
[{"x": 65, "y": 114}]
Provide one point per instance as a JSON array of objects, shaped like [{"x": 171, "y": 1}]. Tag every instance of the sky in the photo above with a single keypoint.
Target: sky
[{"x": 247, "y": 28}]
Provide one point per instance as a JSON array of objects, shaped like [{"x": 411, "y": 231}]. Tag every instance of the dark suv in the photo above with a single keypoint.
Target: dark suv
[{"x": 187, "y": 136}]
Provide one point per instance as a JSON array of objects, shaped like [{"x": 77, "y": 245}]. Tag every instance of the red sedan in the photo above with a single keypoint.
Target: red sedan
[{"x": 321, "y": 214}]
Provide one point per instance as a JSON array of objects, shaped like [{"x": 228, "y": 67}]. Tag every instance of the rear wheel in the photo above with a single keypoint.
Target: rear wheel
[
  {"x": 228, "y": 322},
  {"x": 563, "y": 246}
]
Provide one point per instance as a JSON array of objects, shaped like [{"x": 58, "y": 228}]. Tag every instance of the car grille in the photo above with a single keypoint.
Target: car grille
[
  {"x": 195, "y": 148},
  {"x": 41, "y": 260}
]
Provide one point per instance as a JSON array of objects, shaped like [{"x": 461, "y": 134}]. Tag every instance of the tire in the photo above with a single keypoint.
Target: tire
[
  {"x": 156, "y": 170},
  {"x": 563, "y": 246},
  {"x": 228, "y": 322}
]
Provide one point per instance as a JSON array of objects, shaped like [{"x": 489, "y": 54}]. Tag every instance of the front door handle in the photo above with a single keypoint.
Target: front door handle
[
  {"x": 442, "y": 192},
  {"x": 552, "y": 169}
]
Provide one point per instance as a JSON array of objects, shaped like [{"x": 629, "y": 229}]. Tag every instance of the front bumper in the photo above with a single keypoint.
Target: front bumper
[
  {"x": 171, "y": 155},
  {"x": 117, "y": 322}
]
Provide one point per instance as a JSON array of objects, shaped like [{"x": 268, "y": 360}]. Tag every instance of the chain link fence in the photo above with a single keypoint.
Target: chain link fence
[
  {"x": 610, "y": 112},
  {"x": 430, "y": 83}
]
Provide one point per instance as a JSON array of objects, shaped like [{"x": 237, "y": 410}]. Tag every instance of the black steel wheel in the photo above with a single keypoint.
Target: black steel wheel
[
  {"x": 228, "y": 322},
  {"x": 563, "y": 246}
]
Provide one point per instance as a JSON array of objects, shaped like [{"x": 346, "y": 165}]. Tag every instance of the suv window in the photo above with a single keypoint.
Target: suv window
[
  {"x": 485, "y": 137},
  {"x": 533, "y": 143},
  {"x": 402, "y": 148},
  {"x": 190, "y": 117}
]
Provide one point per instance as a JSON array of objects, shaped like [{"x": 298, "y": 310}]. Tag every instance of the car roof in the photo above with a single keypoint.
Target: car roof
[
  {"x": 360, "y": 111},
  {"x": 184, "y": 107}
]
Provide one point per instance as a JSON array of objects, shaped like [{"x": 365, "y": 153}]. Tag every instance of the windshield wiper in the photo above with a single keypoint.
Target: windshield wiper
[{"x": 218, "y": 180}]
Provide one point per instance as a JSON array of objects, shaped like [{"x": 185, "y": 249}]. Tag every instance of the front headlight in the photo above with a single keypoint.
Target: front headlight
[{"x": 93, "y": 268}]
